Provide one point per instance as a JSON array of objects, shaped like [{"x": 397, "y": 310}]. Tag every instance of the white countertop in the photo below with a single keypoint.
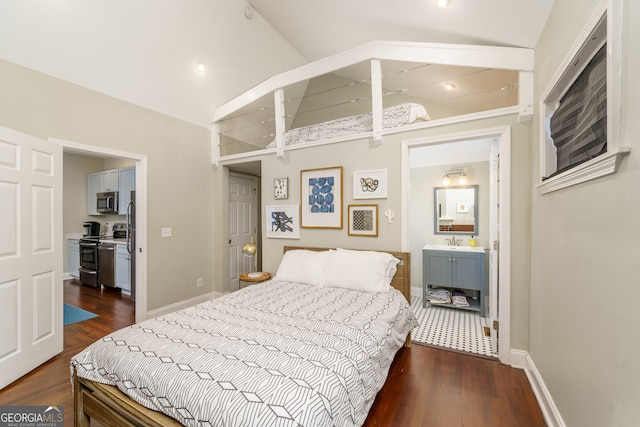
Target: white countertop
[
  {"x": 78, "y": 236},
  {"x": 454, "y": 248},
  {"x": 112, "y": 240}
]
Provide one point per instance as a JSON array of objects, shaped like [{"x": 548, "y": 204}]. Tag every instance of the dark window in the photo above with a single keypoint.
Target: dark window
[{"x": 579, "y": 124}]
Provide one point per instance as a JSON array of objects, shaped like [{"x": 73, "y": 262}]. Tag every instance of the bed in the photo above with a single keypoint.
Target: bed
[
  {"x": 392, "y": 117},
  {"x": 312, "y": 346}
]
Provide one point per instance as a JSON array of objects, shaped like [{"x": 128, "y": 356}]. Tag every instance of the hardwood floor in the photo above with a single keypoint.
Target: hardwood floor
[
  {"x": 426, "y": 386},
  {"x": 50, "y": 384}
]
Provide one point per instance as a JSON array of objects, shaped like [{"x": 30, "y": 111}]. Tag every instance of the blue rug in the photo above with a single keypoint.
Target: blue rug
[{"x": 74, "y": 314}]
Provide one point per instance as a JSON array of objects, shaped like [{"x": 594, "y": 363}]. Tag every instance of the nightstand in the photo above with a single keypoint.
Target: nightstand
[{"x": 253, "y": 278}]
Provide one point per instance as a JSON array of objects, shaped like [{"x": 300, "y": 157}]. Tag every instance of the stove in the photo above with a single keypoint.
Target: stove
[{"x": 89, "y": 260}]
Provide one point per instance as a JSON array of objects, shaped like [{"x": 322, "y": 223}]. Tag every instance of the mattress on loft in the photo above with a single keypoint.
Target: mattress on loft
[{"x": 397, "y": 115}]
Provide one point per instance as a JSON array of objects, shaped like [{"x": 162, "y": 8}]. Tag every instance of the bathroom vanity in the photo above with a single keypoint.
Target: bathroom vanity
[{"x": 456, "y": 268}]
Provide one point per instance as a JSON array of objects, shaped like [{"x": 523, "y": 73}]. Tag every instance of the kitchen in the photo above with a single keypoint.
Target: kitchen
[{"x": 99, "y": 251}]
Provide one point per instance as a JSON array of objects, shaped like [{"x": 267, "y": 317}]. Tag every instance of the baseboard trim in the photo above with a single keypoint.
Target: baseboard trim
[
  {"x": 521, "y": 359},
  {"x": 182, "y": 304}
]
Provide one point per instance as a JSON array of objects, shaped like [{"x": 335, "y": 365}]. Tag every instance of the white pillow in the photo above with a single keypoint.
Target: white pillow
[
  {"x": 367, "y": 271},
  {"x": 302, "y": 266}
]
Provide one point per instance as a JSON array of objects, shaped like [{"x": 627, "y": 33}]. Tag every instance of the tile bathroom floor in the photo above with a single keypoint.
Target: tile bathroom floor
[{"x": 451, "y": 328}]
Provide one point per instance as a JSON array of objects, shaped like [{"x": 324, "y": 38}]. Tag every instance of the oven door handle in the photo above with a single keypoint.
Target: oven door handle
[{"x": 88, "y": 245}]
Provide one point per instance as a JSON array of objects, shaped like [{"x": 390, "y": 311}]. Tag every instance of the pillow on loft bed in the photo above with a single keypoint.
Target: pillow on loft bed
[{"x": 394, "y": 116}]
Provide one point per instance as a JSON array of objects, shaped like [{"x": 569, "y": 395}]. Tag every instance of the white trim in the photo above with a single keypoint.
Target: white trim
[
  {"x": 603, "y": 165},
  {"x": 141, "y": 212},
  {"x": 503, "y": 134},
  {"x": 584, "y": 47},
  {"x": 376, "y": 99},
  {"x": 215, "y": 144},
  {"x": 389, "y": 131},
  {"x": 180, "y": 305},
  {"x": 548, "y": 407},
  {"x": 434, "y": 53}
]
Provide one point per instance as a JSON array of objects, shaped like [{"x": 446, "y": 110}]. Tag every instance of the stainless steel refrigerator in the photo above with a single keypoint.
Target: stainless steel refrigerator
[{"x": 131, "y": 241}]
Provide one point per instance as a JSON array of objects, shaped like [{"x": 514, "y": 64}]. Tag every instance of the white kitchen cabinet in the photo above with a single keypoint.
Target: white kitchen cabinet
[
  {"x": 127, "y": 184},
  {"x": 109, "y": 180},
  {"x": 93, "y": 187},
  {"x": 73, "y": 263},
  {"x": 123, "y": 268},
  {"x": 121, "y": 180}
]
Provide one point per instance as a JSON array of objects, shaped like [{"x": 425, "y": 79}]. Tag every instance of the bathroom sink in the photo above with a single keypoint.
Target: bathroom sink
[{"x": 454, "y": 248}]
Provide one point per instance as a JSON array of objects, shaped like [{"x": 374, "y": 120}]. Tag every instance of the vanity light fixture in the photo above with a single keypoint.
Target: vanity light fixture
[{"x": 454, "y": 173}]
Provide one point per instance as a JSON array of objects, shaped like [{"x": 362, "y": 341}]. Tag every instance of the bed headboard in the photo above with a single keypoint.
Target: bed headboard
[{"x": 401, "y": 281}]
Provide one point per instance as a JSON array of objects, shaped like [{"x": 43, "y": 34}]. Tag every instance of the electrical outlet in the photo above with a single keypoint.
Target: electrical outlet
[
  {"x": 199, "y": 282},
  {"x": 166, "y": 232}
]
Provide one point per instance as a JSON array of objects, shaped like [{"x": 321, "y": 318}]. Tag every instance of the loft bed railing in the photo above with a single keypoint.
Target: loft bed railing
[{"x": 374, "y": 90}]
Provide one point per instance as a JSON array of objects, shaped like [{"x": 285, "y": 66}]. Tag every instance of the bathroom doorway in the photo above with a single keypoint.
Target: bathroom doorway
[{"x": 485, "y": 154}]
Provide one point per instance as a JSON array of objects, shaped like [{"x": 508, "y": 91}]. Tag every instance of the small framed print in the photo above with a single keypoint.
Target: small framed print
[
  {"x": 363, "y": 220},
  {"x": 281, "y": 188},
  {"x": 370, "y": 184},
  {"x": 283, "y": 221}
]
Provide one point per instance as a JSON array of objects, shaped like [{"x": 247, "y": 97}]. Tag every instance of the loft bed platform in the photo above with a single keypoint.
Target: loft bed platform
[{"x": 375, "y": 90}]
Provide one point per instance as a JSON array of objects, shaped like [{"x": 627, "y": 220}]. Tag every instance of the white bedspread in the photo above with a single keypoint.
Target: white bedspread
[
  {"x": 274, "y": 354},
  {"x": 394, "y": 116}
]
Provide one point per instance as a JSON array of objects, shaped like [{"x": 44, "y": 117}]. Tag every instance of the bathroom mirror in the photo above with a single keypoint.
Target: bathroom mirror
[{"x": 456, "y": 210}]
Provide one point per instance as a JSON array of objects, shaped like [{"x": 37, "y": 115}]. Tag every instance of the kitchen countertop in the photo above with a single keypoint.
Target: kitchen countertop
[
  {"x": 78, "y": 236},
  {"x": 112, "y": 240}
]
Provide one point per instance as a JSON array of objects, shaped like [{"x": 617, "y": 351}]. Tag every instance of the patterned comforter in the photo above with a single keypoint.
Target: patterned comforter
[{"x": 275, "y": 354}]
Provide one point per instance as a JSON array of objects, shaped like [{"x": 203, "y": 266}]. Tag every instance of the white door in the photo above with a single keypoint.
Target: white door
[
  {"x": 494, "y": 242},
  {"x": 242, "y": 226},
  {"x": 31, "y": 245}
]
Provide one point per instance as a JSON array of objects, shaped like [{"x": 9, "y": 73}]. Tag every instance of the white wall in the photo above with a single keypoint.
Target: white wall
[{"x": 584, "y": 337}]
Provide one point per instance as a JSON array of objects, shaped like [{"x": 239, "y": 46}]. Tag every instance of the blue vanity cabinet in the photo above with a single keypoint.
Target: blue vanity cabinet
[{"x": 456, "y": 270}]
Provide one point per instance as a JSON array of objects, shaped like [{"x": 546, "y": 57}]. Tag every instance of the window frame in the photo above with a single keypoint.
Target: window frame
[{"x": 609, "y": 14}]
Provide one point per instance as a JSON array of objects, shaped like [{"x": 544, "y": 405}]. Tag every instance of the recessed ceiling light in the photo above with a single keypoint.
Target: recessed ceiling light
[
  {"x": 449, "y": 86},
  {"x": 200, "y": 66},
  {"x": 444, "y": 3}
]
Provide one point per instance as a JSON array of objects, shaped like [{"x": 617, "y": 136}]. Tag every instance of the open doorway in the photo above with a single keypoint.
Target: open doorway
[
  {"x": 244, "y": 224},
  {"x": 75, "y": 152},
  {"x": 490, "y": 165}
]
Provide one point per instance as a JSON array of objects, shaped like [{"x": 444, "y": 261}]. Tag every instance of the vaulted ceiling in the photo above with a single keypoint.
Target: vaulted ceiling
[{"x": 144, "y": 51}]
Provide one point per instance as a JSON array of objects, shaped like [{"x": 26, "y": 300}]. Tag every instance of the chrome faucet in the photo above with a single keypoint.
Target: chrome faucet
[{"x": 453, "y": 242}]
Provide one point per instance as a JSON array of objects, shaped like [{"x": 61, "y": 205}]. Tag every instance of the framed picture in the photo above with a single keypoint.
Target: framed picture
[
  {"x": 370, "y": 184},
  {"x": 282, "y": 221},
  {"x": 363, "y": 220},
  {"x": 281, "y": 188},
  {"x": 321, "y": 197}
]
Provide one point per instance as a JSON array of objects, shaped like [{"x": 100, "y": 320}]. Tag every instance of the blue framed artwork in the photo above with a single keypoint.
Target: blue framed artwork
[{"x": 321, "y": 197}]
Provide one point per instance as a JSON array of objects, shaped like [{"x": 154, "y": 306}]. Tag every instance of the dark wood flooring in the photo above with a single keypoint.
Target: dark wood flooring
[{"x": 426, "y": 386}]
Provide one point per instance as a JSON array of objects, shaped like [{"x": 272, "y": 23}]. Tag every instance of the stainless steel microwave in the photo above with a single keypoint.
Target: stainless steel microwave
[{"x": 107, "y": 202}]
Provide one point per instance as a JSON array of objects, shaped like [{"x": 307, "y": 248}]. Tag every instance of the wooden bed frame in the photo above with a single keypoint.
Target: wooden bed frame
[{"x": 109, "y": 406}]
